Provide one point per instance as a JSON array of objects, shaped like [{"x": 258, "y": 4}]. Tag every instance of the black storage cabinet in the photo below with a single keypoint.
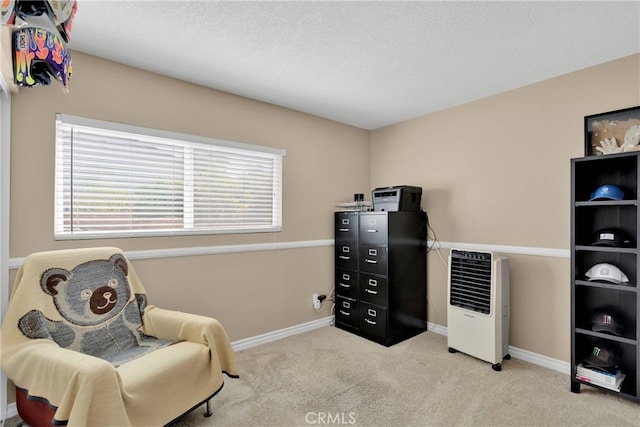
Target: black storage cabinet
[
  {"x": 587, "y": 297},
  {"x": 381, "y": 274}
]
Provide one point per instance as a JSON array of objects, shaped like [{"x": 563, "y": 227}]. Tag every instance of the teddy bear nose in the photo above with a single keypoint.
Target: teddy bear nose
[{"x": 103, "y": 300}]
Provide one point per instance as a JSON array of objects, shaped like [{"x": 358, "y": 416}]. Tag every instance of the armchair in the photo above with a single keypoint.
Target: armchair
[{"x": 80, "y": 337}]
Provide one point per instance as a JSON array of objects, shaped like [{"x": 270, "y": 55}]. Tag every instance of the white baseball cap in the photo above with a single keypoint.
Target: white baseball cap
[{"x": 607, "y": 272}]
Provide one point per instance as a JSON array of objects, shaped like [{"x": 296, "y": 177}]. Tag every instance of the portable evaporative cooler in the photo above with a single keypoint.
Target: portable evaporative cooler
[{"x": 478, "y": 305}]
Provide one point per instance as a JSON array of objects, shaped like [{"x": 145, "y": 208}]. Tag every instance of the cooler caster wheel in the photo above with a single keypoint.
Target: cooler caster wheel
[
  {"x": 496, "y": 367},
  {"x": 507, "y": 357},
  {"x": 452, "y": 350}
]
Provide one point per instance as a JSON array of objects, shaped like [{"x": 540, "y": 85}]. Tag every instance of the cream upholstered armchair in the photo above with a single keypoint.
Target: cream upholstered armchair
[{"x": 84, "y": 348}]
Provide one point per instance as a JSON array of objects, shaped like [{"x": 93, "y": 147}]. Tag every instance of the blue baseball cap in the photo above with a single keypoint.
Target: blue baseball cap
[{"x": 607, "y": 192}]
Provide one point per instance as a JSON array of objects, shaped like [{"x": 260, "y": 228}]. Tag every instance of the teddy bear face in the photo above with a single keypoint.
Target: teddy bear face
[{"x": 92, "y": 292}]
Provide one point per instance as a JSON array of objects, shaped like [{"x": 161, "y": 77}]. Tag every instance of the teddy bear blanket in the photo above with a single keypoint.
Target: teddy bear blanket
[{"x": 78, "y": 332}]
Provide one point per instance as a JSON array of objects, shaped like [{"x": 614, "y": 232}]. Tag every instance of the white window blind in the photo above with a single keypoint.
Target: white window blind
[{"x": 115, "y": 180}]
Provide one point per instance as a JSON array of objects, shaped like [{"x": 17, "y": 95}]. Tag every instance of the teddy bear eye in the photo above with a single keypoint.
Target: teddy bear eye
[
  {"x": 86, "y": 294},
  {"x": 113, "y": 283}
]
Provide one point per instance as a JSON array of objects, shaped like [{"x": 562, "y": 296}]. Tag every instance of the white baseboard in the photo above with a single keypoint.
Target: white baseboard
[
  {"x": 541, "y": 360},
  {"x": 437, "y": 329},
  {"x": 281, "y": 333},
  {"x": 518, "y": 353},
  {"x": 243, "y": 344},
  {"x": 526, "y": 355}
]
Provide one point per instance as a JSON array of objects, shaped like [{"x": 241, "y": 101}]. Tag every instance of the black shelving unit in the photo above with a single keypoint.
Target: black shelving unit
[
  {"x": 589, "y": 297},
  {"x": 380, "y": 274}
]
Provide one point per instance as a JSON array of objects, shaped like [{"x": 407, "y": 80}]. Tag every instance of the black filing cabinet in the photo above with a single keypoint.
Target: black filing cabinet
[{"x": 381, "y": 274}]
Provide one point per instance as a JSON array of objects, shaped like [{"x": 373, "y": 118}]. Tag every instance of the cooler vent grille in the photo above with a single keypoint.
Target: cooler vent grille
[{"x": 471, "y": 281}]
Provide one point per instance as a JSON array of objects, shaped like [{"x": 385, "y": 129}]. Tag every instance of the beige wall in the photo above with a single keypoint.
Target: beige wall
[
  {"x": 250, "y": 293},
  {"x": 494, "y": 171},
  {"x": 497, "y": 171}
]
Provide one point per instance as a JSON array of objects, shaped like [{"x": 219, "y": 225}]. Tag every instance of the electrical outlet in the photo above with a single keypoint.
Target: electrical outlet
[{"x": 316, "y": 301}]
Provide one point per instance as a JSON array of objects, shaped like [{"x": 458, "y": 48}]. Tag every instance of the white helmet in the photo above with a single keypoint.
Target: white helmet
[{"x": 607, "y": 272}]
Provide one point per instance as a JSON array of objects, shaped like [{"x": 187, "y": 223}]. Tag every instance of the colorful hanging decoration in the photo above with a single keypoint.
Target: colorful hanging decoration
[
  {"x": 38, "y": 56},
  {"x": 39, "y": 49}
]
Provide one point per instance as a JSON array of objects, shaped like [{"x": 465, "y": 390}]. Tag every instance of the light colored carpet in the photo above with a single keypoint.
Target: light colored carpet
[{"x": 330, "y": 377}]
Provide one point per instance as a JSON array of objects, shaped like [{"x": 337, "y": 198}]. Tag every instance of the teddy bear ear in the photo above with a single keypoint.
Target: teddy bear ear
[
  {"x": 120, "y": 261},
  {"x": 51, "y": 278}
]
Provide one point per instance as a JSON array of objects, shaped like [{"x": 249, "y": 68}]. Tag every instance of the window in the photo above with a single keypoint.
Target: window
[{"x": 115, "y": 180}]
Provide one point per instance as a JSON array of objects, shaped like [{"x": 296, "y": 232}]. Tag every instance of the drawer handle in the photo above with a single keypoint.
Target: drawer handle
[
  {"x": 371, "y": 230},
  {"x": 345, "y": 257},
  {"x": 344, "y": 313},
  {"x": 371, "y": 322},
  {"x": 370, "y": 261},
  {"x": 343, "y": 229},
  {"x": 344, "y": 285},
  {"x": 371, "y": 292}
]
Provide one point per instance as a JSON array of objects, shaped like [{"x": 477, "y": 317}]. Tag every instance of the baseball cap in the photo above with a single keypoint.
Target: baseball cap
[
  {"x": 607, "y": 192},
  {"x": 605, "y": 321},
  {"x": 612, "y": 237},
  {"x": 601, "y": 357},
  {"x": 608, "y": 273}
]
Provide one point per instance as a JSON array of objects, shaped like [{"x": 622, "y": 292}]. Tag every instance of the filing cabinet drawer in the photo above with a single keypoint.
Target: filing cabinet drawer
[
  {"x": 347, "y": 256},
  {"x": 373, "y": 289},
  {"x": 346, "y": 227},
  {"x": 347, "y": 311},
  {"x": 346, "y": 283},
  {"x": 373, "y": 319},
  {"x": 373, "y": 228},
  {"x": 373, "y": 259}
]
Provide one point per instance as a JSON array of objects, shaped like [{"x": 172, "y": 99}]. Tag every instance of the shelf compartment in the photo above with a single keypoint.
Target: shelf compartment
[
  {"x": 625, "y": 260},
  {"x": 623, "y": 305},
  {"x": 617, "y": 169},
  {"x": 590, "y": 219},
  {"x": 626, "y": 353}
]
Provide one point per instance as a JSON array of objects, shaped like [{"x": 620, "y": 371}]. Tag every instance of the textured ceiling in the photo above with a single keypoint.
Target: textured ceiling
[{"x": 367, "y": 64}]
